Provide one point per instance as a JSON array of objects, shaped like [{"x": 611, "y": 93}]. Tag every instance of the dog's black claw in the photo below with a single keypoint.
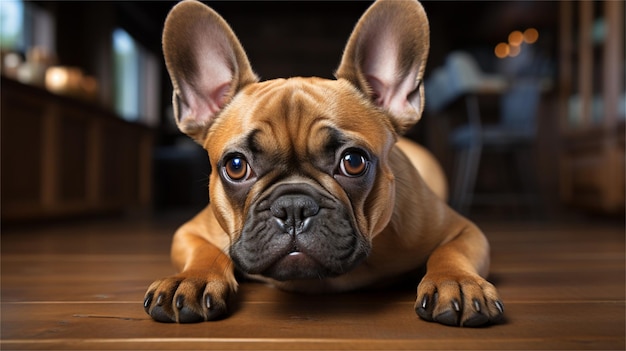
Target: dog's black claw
[
  {"x": 147, "y": 302},
  {"x": 216, "y": 308},
  {"x": 500, "y": 317},
  {"x": 207, "y": 302},
  {"x": 180, "y": 302},
  {"x": 476, "y": 305},
  {"x": 456, "y": 305},
  {"x": 423, "y": 309},
  {"x": 448, "y": 317},
  {"x": 157, "y": 312},
  {"x": 160, "y": 299},
  {"x": 499, "y": 306},
  {"x": 478, "y": 318},
  {"x": 424, "y": 303}
]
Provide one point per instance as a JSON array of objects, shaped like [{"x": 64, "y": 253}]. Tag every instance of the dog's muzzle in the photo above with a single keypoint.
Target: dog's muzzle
[{"x": 299, "y": 232}]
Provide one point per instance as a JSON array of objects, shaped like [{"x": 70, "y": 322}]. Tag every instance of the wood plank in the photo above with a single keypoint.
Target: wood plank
[
  {"x": 81, "y": 285},
  {"x": 299, "y": 321},
  {"x": 519, "y": 277}
]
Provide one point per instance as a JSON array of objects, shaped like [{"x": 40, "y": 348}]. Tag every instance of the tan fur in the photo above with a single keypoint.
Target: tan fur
[
  {"x": 400, "y": 212},
  {"x": 427, "y": 166}
]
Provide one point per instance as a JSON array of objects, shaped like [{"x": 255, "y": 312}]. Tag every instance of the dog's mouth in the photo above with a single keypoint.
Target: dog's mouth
[
  {"x": 304, "y": 256},
  {"x": 296, "y": 265}
]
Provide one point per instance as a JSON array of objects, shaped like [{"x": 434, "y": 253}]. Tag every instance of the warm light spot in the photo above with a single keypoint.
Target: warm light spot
[
  {"x": 515, "y": 50},
  {"x": 502, "y": 50},
  {"x": 516, "y": 38},
  {"x": 531, "y": 35},
  {"x": 57, "y": 79},
  {"x": 12, "y": 61}
]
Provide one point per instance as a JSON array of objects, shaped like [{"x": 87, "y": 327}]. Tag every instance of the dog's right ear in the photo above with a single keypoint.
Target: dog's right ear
[{"x": 206, "y": 63}]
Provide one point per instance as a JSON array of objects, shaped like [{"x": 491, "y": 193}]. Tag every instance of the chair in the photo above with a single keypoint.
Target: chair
[
  {"x": 515, "y": 132},
  {"x": 516, "y": 128},
  {"x": 459, "y": 76}
]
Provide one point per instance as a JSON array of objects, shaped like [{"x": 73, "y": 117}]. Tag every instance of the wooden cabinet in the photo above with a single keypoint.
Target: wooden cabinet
[
  {"x": 62, "y": 156},
  {"x": 592, "y": 104}
]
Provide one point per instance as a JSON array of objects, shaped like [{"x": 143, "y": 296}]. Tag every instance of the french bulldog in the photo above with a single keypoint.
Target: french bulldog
[{"x": 313, "y": 189}]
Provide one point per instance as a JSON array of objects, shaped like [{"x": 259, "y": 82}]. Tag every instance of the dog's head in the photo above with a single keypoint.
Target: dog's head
[{"x": 301, "y": 178}]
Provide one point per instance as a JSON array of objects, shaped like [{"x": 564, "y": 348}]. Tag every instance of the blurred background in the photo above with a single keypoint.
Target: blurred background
[{"x": 525, "y": 103}]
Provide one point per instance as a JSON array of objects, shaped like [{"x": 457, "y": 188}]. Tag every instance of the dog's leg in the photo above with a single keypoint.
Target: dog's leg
[
  {"x": 206, "y": 279},
  {"x": 453, "y": 291}
]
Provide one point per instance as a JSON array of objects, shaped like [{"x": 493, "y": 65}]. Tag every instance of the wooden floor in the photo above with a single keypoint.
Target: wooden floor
[{"x": 80, "y": 286}]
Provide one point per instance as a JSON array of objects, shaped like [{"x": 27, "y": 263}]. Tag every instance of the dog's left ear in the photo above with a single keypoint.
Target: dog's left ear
[{"x": 385, "y": 58}]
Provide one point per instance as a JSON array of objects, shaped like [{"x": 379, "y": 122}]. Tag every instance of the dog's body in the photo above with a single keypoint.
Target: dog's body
[{"x": 312, "y": 189}]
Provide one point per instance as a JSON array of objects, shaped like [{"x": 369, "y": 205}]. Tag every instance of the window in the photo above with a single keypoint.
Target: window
[
  {"x": 126, "y": 63},
  {"x": 136, "y": 80},
  {"x": 24, "y": 25},
  {"x": 12, "y": 24}
]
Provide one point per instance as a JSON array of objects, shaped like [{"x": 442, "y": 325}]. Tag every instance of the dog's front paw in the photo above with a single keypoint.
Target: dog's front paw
[
  {"x": 466, "y": 300},
  {"x": 185, "y": 299}
]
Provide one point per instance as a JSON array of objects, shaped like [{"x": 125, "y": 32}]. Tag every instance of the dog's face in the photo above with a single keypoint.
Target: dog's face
[
  {"x": 308, "y": 184},
  {"x": 301, "y": 180}
]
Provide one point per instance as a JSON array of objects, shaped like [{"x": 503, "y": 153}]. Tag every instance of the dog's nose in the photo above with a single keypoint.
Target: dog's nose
[{"x": 293, "y": 213}]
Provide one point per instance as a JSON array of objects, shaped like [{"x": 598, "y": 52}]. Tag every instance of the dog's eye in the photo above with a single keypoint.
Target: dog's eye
[
  {"x": 353, "y": 164},
  {"x": 237, "y": 168}
]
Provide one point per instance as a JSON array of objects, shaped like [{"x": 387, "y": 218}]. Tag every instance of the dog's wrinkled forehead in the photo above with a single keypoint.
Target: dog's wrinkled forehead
[{"x": 304, "y": 118}]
